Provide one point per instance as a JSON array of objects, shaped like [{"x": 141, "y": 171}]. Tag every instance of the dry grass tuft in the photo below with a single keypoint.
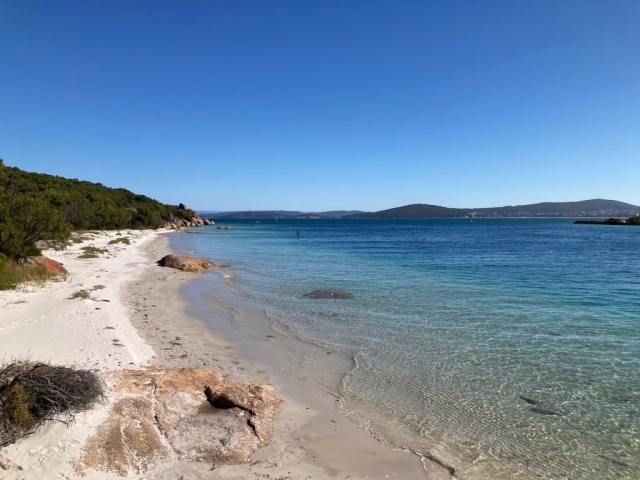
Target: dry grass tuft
[
  {"x": 13, "y": 273},
  {"x": 83, "y": 294},
  {"x": 32, "y": 393}
]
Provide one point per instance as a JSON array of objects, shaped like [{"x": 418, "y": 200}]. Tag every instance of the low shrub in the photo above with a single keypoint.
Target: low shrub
[
  {"x": 91, "y": 250},
  {"x": 13, "y": 273},
  {"x": 124, "y": 240},
  {"x": 81, "y": 294},
  {"x": 32, "y": 393}
]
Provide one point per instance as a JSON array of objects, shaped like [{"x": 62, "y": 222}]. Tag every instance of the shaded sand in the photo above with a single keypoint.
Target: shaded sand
[{"x": 136, "y": 316}]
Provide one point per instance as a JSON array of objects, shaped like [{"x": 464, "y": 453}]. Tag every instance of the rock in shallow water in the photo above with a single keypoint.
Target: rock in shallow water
[
  {"x": 327, "y": 294},
  {"x": 185, "y": 263}
]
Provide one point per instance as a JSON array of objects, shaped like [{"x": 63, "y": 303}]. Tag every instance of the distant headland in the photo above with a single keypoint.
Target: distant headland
[{"x": 585, "y": 208}]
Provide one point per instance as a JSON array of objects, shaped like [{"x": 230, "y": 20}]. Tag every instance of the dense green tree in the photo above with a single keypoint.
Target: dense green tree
[
  {"x": 36, "y": 206},
  {"x": 25, "y": 221}
]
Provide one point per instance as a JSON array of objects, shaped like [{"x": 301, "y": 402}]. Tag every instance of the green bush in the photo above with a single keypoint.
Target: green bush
[
  {"x": 89, "y": 206},
  {"x": 25, "y": 221},
  {"x": 124, "y": 240},
  {"x": 91, "y": 250},
  {"x": 12, "y": 273}
]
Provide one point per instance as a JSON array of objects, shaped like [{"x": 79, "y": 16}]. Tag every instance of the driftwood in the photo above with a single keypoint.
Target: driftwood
[{"x": 32, "y": 393}]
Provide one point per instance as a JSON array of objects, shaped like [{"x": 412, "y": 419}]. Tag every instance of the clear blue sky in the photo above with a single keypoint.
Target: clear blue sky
[{"x": 318, "y": 105}]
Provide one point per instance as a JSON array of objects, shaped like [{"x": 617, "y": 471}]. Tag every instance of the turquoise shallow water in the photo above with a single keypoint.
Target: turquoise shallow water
[{"x": 512, "y": 343}]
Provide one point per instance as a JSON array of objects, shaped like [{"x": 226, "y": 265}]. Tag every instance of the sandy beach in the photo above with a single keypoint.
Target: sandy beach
[{"x": 135, "y": 316}]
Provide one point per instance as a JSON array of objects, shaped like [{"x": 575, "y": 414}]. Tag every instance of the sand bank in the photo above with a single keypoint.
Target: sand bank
[{"x": 137, "y": 317}]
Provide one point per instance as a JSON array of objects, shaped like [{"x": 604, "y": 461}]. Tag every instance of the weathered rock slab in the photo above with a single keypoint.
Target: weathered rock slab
[
  {"x": 163, "y": 412},
  {"x": 185, "y": 263}
]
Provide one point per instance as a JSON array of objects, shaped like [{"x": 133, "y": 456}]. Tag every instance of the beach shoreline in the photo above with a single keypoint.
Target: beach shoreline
[{"x": 135, "y": 317}]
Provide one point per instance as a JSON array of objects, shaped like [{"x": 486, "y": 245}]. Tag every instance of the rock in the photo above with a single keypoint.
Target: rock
[
  {"x": 5, "y": 464},
  {"x": 327, "y": 294},
  {"x": 164, "y": 412},
  {"x": 185, "y": 263},
  {"x": 544, "y": 410},
  {"x": 635, "y": 220},
  {"x": 52, "y": 266}
]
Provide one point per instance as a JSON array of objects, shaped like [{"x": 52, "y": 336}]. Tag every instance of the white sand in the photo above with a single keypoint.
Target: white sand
[{"x": 43, "y": 322}]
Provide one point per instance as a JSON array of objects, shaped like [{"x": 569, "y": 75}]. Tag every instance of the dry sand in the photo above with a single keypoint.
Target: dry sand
[{"x": 138, "y": 318}]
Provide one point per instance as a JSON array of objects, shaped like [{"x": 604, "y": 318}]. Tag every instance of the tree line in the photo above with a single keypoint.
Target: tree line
[{"x": 36, "y": 206}]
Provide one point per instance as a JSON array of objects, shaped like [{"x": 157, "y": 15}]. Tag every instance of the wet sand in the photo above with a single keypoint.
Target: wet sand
[{"x": 312, "y": 439}]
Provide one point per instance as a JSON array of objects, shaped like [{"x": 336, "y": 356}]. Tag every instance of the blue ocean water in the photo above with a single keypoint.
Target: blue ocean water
[{"x": 510, "y": 344}]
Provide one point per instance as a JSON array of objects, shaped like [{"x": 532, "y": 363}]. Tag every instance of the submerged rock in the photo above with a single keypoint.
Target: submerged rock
[
  {"x": 328, "y": 294},
  {"x": 544, "y": 410},
  {"x": 164, "y": 412},
  {"x": 185, "y": 263}
]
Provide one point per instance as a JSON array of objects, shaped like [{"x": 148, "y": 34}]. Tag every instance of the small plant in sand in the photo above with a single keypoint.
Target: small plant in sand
[
  {"x": 92, "y": 252},
  {"x": 124, "y": 240},
  {"x": 83, "y": 294},
  {"x": 32, "y": 393}
]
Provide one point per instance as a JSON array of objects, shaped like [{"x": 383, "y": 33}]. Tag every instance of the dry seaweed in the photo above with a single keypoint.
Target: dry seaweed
[{"x": 32, "y": 393}]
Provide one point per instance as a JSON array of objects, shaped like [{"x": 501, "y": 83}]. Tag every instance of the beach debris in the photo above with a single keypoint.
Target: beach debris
[
  {"x": 327, "y": 294},
  {"x": 185, "y": 263},
  {"x": 164, "y": 412},
  {"x": 33, "y": 393}
]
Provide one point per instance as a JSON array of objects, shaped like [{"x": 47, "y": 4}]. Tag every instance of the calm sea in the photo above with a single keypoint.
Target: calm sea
[{"x": 510, "y": 344}]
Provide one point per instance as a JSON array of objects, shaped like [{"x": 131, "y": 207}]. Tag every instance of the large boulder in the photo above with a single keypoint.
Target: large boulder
[
  {"x": 52, "y": 266},
  {"x": 191, "y": 413},
  {"x": 185, "y": 263}
]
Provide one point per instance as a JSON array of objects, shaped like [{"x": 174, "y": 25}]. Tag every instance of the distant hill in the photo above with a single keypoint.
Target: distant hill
[
  {"x": 585, "y": 208},
  {"x": 268, "y": 214}
]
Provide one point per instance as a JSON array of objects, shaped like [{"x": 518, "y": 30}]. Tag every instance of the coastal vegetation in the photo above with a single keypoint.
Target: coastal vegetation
[
  {"x": 12, "y": 273},
  {"x": 123, "y": 240},
  {"x": 83, "y": 294},
  {"x": 36, "y": 207},
  {"x": 92, "y": 252},
  {"x": 39, "y": 209}
]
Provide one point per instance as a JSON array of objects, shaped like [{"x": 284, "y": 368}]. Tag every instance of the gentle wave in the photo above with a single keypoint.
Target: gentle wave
[{"x": 511, "y": 345}]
